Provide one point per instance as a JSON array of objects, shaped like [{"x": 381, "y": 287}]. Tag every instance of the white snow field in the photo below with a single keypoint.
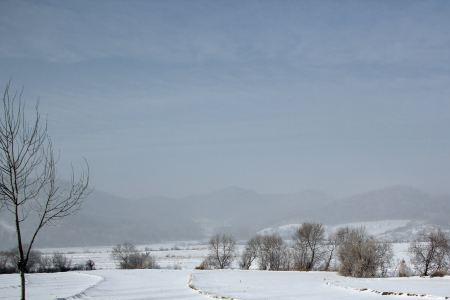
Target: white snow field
[
  {"x": 176, "y": 255},
  {"x": 47, "y": 286},
  {"x": 181, "y": 255},
  {"x": 431, "y": 288},
  {"x": 223, "y": 284},
  {"x": 103, "y": 284},
  {"x": 253, "y": 285},
  {"x": 142, "y": 284},
  {"x": 110, "y": 283}
]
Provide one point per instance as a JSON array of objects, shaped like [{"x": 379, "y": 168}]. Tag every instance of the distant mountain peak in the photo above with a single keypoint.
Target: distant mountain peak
[{"x": 232, "y": 189}]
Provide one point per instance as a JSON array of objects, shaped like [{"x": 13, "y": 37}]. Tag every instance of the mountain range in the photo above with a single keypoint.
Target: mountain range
[{"x": 107, "y": 219}]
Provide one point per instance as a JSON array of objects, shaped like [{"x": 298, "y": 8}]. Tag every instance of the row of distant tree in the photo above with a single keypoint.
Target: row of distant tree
[
  {"x": 351, "y": 251},
  {"x": 41, "y": 263}
]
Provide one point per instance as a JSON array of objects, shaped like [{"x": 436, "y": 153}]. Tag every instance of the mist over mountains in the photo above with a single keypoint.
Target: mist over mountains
[{"x": 107, "y": 219}]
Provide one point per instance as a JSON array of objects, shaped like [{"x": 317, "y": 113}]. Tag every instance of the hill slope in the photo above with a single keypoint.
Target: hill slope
[{"x": 107, "y": 219}]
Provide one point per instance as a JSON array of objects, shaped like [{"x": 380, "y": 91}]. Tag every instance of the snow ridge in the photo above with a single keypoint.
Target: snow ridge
[
  {"x": 203, "y": 293},
  {"x": 385, "y": 293},
  {"x": 83, "y": 292}
]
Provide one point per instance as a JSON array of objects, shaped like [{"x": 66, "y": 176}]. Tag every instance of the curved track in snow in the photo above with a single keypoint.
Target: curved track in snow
[{"x": 219, "y": 284}]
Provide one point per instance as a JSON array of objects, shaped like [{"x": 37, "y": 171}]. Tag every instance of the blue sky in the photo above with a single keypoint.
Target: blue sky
[{"x": 180, "y": 97}]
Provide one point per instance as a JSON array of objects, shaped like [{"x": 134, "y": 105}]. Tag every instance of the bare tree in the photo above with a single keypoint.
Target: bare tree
[
  {"x": 251, "y": 252},
  {"x": 308, "y": 245},
  {"x": 384, "y": 256},
  {"x": 430, "y": 252},
  {"x": 127, "y": 256},
  {"x": 361, "y": 255},
  {"x": 29, "y": 189},
  {"x": 121, "y": 254},
  {"x": 222, "y": 251},
  {"x": 334, "y": 239},
  {"x": 60, "y": 262},
  {"x": 273, "y": 252}
]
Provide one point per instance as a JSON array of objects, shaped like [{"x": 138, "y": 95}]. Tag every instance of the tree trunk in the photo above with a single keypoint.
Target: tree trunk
[
  {"x": 22, "y": 264},
  {"x": 22, "y": 285}
]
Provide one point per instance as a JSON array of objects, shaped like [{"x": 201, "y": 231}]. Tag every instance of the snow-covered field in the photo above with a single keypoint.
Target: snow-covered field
[
  {"x": 389, "y": 230},
  {"x": 187, "y": 283},
  {"x": 48, "y": 286},
  {"x": 174, "y": 255},
  {"x": 225, "y": 284},
  {"x": 253, "y": 285}
]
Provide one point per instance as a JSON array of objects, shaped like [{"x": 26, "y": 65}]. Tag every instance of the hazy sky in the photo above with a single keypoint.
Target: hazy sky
[{"x": 179, "y": 97}]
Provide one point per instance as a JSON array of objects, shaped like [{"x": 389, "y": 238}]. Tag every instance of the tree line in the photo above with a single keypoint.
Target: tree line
[
  {"x": 350, "y": 251},
  {"x": 41, "y": 263}
]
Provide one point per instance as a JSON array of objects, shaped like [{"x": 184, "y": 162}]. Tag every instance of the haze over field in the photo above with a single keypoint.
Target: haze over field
[{"x": 107, "y": 219}]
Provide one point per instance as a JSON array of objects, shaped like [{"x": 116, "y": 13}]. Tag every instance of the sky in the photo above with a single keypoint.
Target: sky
[{"x": 183, "y": 97}]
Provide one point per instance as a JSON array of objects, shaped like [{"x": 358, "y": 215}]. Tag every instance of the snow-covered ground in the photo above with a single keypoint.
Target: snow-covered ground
[
  {"x": 376, "y": 228},
  {"x": 142, "y": 284},
  {"x": 48, "y": 286},
  {"x": 429, "y": 287},
  {"x": 253, "y": 285},
  {"x": 179, "y": 255},
  {"x": 390, "y": 230},
  {"x": 110, "y": 283},
  {"x": 223, "y": 284},
  {"x": 175, "y": 255}
]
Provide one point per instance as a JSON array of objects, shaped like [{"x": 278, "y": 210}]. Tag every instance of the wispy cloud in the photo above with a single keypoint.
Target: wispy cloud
[{"x": 238, "y": 87}]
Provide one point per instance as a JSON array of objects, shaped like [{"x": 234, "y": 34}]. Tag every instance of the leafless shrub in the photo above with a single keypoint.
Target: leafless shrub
[
  {"x": 46, "y": 264},
  {"x": 287, "y": 259},
  {"x": 8, "y": 262},
  {"x": 439, "y": 273},
  {"x": 361, "y": 255},
  {"x": 430, "y": 252},
  {"x": 128, "y": 257},
  {"x": 330, "y": 247},
  {"x": 308, "y": 244},
  {"x": 251, "y": 252},
  {"x": 273, "y": 253},
  {"x": 89, "y": 265},
  {"x": 60, "y": 262},
  {"x": 34, "y": 261},
  {"x": 221, "y": 251},
  {"x": 384, "y": 255}
]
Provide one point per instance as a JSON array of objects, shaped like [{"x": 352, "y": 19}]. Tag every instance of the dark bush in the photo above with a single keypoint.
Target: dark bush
[
  {"x": 8, "y": 263},
  {"x": 128, "y": 257},
  {"x": 439, "y": 273},
  {"x": 61, "y": 263},
  {"x": 361, "y": 255}
]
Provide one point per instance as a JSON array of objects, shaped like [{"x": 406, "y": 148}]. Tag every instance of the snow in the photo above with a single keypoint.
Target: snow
[
  {"x": 390, "y": 230},
  {"x": 253, "y": 285},
  {"x": 180, "y": 255},
  {"x": 48, "y": 286},
  {"x": 142, "y": 284},
  {"x": 376, "y": 228},
  {"x": 110, "y": 283},
  {"x": 432, "y": 287},
  {"x": 102, "y": 284},
  {"x": 382, "y": 228},
  {"x": 227, "y": 284}
]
